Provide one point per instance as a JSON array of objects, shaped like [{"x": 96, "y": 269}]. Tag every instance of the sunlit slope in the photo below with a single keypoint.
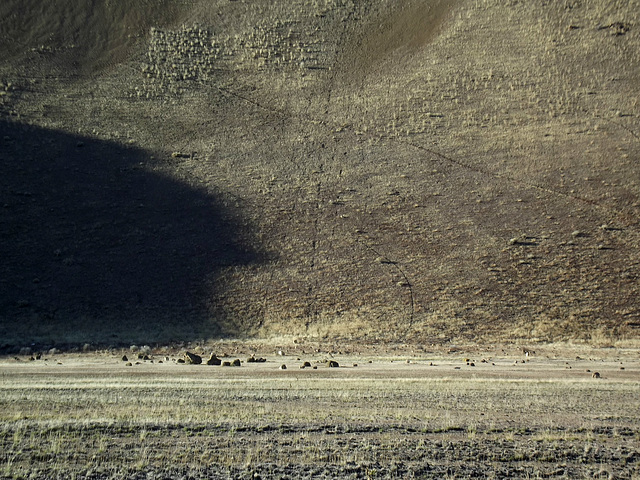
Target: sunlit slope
[{"x": 420, "y": 171}]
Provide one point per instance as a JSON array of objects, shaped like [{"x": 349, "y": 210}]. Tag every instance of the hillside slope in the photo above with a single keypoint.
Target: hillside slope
[{"x": 364, "y": 170}]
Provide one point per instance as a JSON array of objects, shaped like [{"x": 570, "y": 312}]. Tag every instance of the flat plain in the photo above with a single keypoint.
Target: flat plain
[{"x": 464, "y": 413}]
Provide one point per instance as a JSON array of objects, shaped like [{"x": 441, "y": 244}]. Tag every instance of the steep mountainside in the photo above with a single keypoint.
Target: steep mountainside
[{"x": 414, "y": 171}]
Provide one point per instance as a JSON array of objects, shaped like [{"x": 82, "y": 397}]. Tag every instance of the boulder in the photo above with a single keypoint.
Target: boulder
[
  {"x": 214, "y": 360},
  {"x": 192, "y": 358},
  {"x": 236, "y": 363},
  {"x": 333, "y": 364}
]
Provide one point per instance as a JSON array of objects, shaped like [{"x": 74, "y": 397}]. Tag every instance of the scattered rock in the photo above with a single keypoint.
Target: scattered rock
[
  {"x": 333, "y": 364},
  {"x": 236, "y": 363},
  {"x": 306, "y": 364},
  {"x": 129, "y": 364},
  {"x": 226, "y": 364},
  {"x": 596, "y": 375},
  {"x": 125, "y": 358},
  {"x": 283, "y": 367},
  {"x": 616, "y": 28},
  {"x": 192, "y": 358}
]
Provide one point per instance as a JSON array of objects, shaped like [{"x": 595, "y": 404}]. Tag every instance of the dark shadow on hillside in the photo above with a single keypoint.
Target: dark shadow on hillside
[{"x": 97, "y": 248}]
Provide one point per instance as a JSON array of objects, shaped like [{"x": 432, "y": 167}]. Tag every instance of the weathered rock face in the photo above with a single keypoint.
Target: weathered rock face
[{"x": 192, "y": 358}]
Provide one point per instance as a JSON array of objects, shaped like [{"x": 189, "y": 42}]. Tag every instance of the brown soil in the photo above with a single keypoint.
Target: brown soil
[{"x": 378, "y": 172}]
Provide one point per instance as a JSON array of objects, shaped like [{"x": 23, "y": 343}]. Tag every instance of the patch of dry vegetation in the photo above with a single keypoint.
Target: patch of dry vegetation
[{"x": 97, "y": 418}]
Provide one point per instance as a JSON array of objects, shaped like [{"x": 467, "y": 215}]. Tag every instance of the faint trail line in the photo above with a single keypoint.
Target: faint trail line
[
  {"x": 231, "y": 93},
  {"x": 624, "y": 127},
  {"x": 332, "y": 125},
  {"x": 396, "y": 265},
  {"x": 511, "y": 179}
]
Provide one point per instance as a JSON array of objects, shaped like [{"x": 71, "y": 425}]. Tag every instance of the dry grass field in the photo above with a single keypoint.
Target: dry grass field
[
  {"x": 470, "y": 413},
  {"x": 395, "y": 176}
]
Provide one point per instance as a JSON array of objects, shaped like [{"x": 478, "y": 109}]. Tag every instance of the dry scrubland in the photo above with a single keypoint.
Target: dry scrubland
[
  {"x": 357, "y": 173},
  {"x": 395, "y": 415},
  {"x": 340, "y": 171},
  {"x": 411, "y": 171}
]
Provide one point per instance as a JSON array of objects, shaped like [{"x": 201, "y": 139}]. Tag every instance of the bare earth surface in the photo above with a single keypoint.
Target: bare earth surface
[
  {"x": 458, "y": 413},
  {"x": 339, "y": 172},
  {"x": 423, "y": 171}
]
